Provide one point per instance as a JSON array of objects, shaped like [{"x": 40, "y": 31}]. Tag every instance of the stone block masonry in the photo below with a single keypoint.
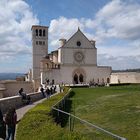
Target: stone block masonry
[{"x": 16, "y": 101}]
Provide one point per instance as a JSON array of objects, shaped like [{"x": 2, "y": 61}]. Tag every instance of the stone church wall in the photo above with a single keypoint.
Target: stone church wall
[
  {"x": 125, "y": 77},
  {"x": 98, "y": 74},
  {"x": 65, "y": 74},
  {"x": 90, "y": 55}
]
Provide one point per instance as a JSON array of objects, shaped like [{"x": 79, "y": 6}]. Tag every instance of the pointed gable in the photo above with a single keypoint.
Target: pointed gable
[{"x": 79, "y": 40}]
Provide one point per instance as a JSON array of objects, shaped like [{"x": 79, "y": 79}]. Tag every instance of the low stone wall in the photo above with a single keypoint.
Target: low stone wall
[
  {"x": 12, "y": 87},
  {"x": 125, "y": 77},
  {"x": 16, "y": 101}
]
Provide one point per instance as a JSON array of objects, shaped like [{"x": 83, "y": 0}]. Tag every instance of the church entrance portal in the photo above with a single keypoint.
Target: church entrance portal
[
  {"x": 79, "y": 76},
  {"x": 75, "y": 79}
]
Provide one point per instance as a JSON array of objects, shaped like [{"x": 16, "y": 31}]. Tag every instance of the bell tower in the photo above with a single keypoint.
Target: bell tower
[{"x": 39, "y": 49}]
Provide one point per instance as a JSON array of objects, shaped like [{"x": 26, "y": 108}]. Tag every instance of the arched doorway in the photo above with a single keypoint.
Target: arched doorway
[
  {"x": 79, "y": 76},
  {"x": 108, "y": 80},
  {"x": 75, "y": 78}
]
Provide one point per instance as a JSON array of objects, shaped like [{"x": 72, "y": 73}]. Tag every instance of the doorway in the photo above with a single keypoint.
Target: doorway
[
  {"x": 81, "y": 78},
  {"x": 75, "y": 79}
]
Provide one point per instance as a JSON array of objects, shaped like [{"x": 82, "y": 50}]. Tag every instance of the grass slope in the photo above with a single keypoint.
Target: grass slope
[
  {"x": 38, "y": 124},
  {"x": 116, "y": 109}
]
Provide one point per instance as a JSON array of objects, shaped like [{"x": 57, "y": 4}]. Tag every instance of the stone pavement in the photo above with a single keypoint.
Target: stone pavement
[{"x": 21, "y": 111}]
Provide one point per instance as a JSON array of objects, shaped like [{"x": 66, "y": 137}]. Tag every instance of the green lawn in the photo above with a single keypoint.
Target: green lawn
[
  {"x": 116, "y": 109},
  {"x": 38, "y": 124}
]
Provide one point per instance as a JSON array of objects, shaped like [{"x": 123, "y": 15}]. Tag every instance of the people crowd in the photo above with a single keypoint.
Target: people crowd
[
  {"x": 48, "y": 90},
  {"x": 9, "y": 120},
  {"x": 8, "y": 124}
]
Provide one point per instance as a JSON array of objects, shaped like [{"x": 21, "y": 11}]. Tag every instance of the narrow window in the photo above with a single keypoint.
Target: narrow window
[
  {"x": 40, "y": 32},
  {"x": 36, "y": 31},
  {"x": 40, "y": 42},
  {"x": 36, "y": 42},
  {"x": 44, "y": 33}
]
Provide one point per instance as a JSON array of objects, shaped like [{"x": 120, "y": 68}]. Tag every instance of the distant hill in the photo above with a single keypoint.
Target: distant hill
[
  {"x": 10, "y": 76},
  {"x": 127, "y": 70}
]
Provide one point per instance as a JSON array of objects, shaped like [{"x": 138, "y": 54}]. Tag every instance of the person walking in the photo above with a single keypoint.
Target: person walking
[
  {"x": 2, "y": 126},
  {"x": 24, "y": 96},
  {"x": 42, "y": 91},
  {"x": 11, "y": 120},
  {"x": 48, "y": 92}
]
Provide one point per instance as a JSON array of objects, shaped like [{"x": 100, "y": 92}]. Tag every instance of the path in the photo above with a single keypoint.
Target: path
[{"x": 21, "y": 111}]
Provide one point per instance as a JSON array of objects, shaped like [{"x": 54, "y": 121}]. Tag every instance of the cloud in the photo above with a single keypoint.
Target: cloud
[
  {"x": 15, "y": 29},
  {"x": 62, "y": 28},
  {"x": 121, "y": 62},
  {"x": 118, "y": 21}
]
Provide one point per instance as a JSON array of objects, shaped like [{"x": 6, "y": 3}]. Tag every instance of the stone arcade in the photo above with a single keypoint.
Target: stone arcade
[{"x": 74, "y": 62}]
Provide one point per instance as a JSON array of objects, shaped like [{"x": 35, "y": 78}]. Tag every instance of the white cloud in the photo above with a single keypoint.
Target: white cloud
[
  {"x": 117, "y": 20},
  {"x": 122, "y": 62},
  {"x": 15, "y": 29},
  {"x": 62, "y": 28}
]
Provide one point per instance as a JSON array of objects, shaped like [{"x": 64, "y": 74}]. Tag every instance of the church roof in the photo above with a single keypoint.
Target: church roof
[{"x": 75, "y": 35}]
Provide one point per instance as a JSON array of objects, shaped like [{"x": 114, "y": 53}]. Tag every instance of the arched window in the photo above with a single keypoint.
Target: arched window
[
  {"x": 75, "y": 78},
  {"x": 108, "y": 80},
  {"x": 40, "y": 32},
  {"x": 36, "y": 32},
  {"x": 44, "y": 33},
  {"x": 81, "y": 78}
]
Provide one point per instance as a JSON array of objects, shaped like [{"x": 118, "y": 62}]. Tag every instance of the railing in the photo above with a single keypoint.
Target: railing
[{"x": 72, "y": 119}]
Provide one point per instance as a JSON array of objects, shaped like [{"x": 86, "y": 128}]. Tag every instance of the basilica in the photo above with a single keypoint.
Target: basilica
[{"x": 74, "y": 62}]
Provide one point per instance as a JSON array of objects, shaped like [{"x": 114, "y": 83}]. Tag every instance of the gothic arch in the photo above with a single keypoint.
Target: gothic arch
[
  {"x": 81, "y": 76},
  {"x": 75, "y": 78}
]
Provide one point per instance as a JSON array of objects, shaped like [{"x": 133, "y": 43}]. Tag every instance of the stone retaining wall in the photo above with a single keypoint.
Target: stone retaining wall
[
  {"x": 9, "y": 88},
  {"x": 16, "y": 101}
]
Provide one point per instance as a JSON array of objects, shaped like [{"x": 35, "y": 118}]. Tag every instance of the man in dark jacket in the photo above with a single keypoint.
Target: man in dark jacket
[
  {"x": 11, "y": 120},
  {"x": 2, "y": 127}
]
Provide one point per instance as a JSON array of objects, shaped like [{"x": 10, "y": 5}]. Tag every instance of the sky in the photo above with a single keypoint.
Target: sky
[{"x": 114, "y": 24}]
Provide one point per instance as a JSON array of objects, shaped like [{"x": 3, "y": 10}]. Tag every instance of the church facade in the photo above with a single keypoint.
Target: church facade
[{"x": 74, "y": 62}]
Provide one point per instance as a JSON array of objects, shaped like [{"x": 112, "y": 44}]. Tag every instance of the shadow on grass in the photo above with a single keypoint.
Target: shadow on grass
[{"x": 61, "y": 118}]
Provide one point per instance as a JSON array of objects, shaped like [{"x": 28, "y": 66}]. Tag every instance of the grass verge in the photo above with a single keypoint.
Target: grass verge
[{"x": 38, "y": 124}]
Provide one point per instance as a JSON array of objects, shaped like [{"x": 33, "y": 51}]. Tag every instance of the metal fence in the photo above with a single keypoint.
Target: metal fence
[{"x": 79, "y": 125}]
